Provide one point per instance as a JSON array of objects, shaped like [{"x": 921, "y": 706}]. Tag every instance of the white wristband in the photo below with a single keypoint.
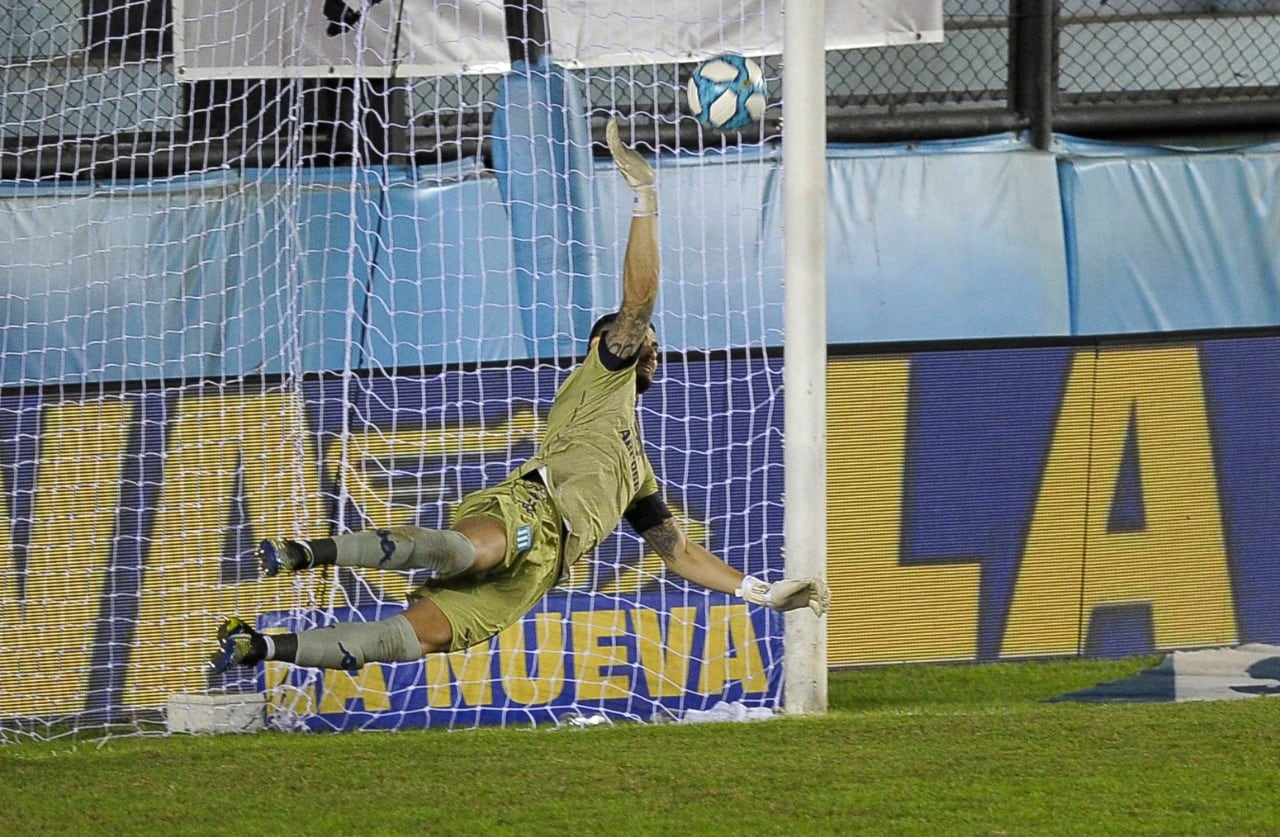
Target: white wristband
[
  {"x": 646, "y": 202},
  {"x": 753, "y": 590}
]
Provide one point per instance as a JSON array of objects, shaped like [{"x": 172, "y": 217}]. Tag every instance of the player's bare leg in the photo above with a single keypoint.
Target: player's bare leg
[
  {"x": 488, "y": 538},
  {"x": 430, "y": 626}
]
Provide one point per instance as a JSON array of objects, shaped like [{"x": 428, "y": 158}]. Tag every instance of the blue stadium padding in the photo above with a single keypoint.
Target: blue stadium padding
[
  {"x": 716, "y": 289},
  {"x": 111, "y": 284},
  {"x": 291, "y": 291},
  {"x": 443, "y": 291},
  {"x": 1164, "y": 240},
  {"x": 943, "y": 240},
  {"x": 191, "y": 278},
  {"x": 542, "y": 158}
]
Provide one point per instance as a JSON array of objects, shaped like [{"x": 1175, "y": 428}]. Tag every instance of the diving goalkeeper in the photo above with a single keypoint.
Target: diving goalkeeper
[{"x": 511, "y": 543}]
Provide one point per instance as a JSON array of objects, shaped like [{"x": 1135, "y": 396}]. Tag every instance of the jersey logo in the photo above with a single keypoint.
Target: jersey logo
[
  {"x": 524, "y": 537},
  {"x": 629, "y": 440}
]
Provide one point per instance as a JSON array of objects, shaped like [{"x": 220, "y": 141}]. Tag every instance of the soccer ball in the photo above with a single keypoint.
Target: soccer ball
[{"x": 728, "y": 92}]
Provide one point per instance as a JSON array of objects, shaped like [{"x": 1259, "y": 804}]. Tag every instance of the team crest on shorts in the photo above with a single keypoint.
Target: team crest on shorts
[{"x": 524, "y": 537}]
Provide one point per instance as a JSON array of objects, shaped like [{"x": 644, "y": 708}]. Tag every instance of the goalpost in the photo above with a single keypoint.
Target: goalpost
[
  {"x": 320, "y": 268},
  {"x": 804, "y": 231}
]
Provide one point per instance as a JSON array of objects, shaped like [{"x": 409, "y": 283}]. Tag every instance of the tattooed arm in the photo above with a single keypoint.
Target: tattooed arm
[
  {"x": 641, "y": 262},
  {"x": 693, "y": 563},
  {"x": 689, "y": 560}
]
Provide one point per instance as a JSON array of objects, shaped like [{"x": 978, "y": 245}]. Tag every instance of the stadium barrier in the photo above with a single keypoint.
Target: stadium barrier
[{"x": 969, "y": 239}]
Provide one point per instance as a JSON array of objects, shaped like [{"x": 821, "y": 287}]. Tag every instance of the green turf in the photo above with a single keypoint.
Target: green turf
[{"x": 904, "y": 750}]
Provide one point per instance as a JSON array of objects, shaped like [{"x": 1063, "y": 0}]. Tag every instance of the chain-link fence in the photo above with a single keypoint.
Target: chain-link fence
[
  {"x": 1092, "y": 67},
  {"x": 87, "y": 87}
]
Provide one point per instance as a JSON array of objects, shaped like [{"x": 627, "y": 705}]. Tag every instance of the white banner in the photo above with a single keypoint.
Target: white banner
[
  {"x": 409, "y": 38},
  {"x": 655, "y": 31},
  {"x": 337, "y": 38}
]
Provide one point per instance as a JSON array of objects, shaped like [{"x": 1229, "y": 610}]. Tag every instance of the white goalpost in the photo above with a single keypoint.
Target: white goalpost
[
  {"x": 804, "y": 196},
  {"x": 307, "y": 269}
]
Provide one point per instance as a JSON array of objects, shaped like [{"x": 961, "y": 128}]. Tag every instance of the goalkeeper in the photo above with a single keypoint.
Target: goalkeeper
[{"x": 511, "y": 543}]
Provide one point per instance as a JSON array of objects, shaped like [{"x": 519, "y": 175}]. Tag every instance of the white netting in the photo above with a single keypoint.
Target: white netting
[{"x": 238, "y": 307}]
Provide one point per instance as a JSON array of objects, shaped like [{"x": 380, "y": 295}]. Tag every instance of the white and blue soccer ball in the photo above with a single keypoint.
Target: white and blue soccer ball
[{"x": 728, "y": 93}]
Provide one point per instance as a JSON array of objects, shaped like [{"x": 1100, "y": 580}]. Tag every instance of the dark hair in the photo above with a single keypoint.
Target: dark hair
[{"x": 602, "y": 325}]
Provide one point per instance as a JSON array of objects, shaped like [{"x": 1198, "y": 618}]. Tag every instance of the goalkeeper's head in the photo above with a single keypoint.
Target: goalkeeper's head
[{"x": 646, "y": 359}]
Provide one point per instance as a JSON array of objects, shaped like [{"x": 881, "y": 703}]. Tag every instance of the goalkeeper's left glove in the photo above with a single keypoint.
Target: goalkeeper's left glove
[
  {"x": 634, "y": 169},
  {"x": 788, "y": 594}
]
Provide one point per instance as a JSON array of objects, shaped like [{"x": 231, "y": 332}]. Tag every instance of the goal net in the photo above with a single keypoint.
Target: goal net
[{"x": 321, "y": 268}]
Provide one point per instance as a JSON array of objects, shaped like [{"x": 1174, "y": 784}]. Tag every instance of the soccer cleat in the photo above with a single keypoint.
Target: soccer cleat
[
  {"x": 238, "y": 645},
  {"x": 276, "y": 555}
]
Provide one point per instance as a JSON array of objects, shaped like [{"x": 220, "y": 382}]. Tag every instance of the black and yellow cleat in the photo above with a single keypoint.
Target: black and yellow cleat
[{"x": 238, "y": 645}]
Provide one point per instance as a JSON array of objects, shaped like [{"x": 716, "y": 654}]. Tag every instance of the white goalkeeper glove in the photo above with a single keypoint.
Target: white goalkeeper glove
[
  {"x": 788, "y": 594},
  {"x": 638, "y": 173}
]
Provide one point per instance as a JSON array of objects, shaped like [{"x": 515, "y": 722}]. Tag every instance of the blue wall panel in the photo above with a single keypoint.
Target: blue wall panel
[
  {"x": 946, "y": 240},
  {"x": 388, "y": 450},
  {"x": 1172, "y": 241},
  {"x": 247, "y": 273},
  {"x": 442, "y": 291},
  {"x": 718, "y": 289},
  {"x": 114, "y": 284},
  {"x": 302, "y": 261},
  {"x": 543, "y": 162}
]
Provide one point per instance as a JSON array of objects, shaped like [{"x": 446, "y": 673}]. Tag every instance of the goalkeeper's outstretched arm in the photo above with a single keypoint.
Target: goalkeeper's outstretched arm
[
  {"x": 692, "y": 562},
  {"x": 641, "y": 263}
]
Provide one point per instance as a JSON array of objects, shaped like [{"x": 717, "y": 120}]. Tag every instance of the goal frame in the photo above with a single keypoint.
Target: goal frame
[{"x": 804, "y": 345}]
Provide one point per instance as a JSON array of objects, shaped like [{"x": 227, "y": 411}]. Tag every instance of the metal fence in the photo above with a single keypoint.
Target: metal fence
[
  {"x": 1083, "y": 67},
  {"x": 87, "y": 88}
]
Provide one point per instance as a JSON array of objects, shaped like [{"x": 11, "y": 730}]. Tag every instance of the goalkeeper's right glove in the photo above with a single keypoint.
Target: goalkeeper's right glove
[
  {"x": 638, "y": 173},
  {"x": 788, "y": 594}
]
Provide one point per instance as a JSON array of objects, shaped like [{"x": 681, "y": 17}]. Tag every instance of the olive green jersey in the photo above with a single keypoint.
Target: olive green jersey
[{"x": 591, "y": 456}]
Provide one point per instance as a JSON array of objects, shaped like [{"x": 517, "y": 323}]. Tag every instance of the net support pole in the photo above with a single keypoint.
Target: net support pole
[{"x": 804, "y": 195}]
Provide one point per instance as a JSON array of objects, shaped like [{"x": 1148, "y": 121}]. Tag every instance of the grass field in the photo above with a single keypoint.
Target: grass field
[{"x": 904, "y": 750}]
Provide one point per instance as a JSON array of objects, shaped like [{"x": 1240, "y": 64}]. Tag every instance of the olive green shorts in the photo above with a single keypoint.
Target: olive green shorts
[{"x": 478, "y": 606}]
